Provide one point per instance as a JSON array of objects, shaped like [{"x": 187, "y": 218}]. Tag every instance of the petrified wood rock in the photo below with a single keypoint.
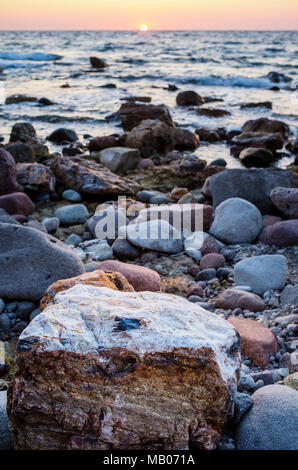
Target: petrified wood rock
[
  {"x": 103, "y": 369},
  {"x": 99, "y": 278}
]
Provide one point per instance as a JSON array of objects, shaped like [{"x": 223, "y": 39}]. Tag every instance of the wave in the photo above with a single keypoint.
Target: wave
[
  {"x": 33, "y": 56},
  {"x": 213, "y": 80}
]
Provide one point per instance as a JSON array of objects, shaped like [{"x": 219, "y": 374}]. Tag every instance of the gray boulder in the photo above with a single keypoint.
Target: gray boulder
[
  {"x": 5, "y": 436},
  {"x": 254, "y": 185},
  {"x": 272, "y": 421},
  {"x": 262, "y": 273},
  {"x": 236, "y": 221},
  {"x": 31, "y": 261},
  {"x": 289, "y": 295},
  {"x": 120, "y": 159},
  {"x": 72, "y": 215},
  {"x": 286, "y": 200},
  {"x": 157, "y": 235}
]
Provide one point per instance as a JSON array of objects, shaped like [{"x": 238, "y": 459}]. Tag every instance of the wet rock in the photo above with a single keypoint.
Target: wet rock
[
  {"x": 262, "y": 273},
  {"x": 212, "y": 112},
  {"x": 5, "y": 436},
  {"x": 212, "y": 260},
  {"x": 254, "y": 185},
  {"x": 151, "y": 138},
  {"x": 289, "y": 295},
  {"x": 206, "y": 274},
  {"x": 283, "y": 233},
  {"x": 36, "y": 177},
  {"x": 208, "y": 135},
  {"x": 261, "y": 104},
  {"x": 51, "y": 223},
  {"x": 100, "y": 143},
  {"x": 16, "y": 99},
  {"x": 257, "y": 157},
  {"x": 277, "y": 77},
  {"x": 132, "y": 114},
  {"x": 89, "y": 177},
  {"x": 189, "y": 98},
  {"x": 22, "y": 131},
  {"x": 22, "y": 153},
  {"x": 124, "y": 250},
  {"x": 141, "y": 278},
  {"x": 98, "y": 63},
  {"x": 232, "y": 298},
  {"x": 62, "y": 135},
  {"x": 32, "y": 260},
  {"x": 258, "y": 343},
  {"x": 272, "y": 421},
  {"x": 245, "y": 140},
  {"x": 8, "y": 173},
  {"x": 72, "y": 214},
  {"x": 292, "y": 146},
  {"x": 120, "y": 159},
  {"x": 236, "y": 221},
  {"x": 131, "y": 348},
  {"x": 17, "y": 203},
  {"x": 266, "y": 126},
  {"x": 185, "y": 140},
  {"x": 96, "y": 278},
  {"x": 286, "y": 200}
]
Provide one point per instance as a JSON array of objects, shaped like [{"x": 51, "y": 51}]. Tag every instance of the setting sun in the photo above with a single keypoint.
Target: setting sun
[{"x": 144, "y": 28}]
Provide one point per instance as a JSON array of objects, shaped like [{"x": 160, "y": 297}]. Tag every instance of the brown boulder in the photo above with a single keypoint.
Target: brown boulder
[
  {"x": 195, "y": 289},
  {"x": 97, "y": 278},
  {"x": 36, "y": 177},
  {"x": 17, "y": 203},
  {"x": 258, "y": 343},
  {"x": 98, "y": 63},
  {"x": 87, "y": 176},
  {"x": 286, "y": 200},
  {"x": 132, "y": 114},
  {"x": 189, "y": 98},
  {"x": 100, "y": 143},
  {"x": 283, "y": 233},
  {"x": 141, "y": 278},
  {"x": 212, "y": 112},
  {"x": 24, "y": 131},
  {"x": 257, "y": 157},
  {"x": 266, "y": 126},
  {"x": 212, "y": 260},
  {"x": 235, "y": 298},
  {"x": 8, "y": 173},
  {"x": 185, "y": 140},
  {"x": 245, "y": 140},
  {"x": 208, "y": 135},
  {"x": 151, "y": 138}
]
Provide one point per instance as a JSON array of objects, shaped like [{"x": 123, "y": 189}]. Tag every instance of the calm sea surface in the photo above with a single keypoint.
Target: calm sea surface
[{"x": 230, "y": 65}]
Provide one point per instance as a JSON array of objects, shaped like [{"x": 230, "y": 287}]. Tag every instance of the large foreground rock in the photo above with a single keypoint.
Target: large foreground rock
[
  {"x": 89, "y": 177},
  {"x": 254, "y": 185},
  {"x": 261, "y": 273},
  {"x": 283, "y": 233},
  {"x": 5, "y": 437},
  {"x": 236, "y": 221},
  {"x": 32, "y": 260},
  {"x": 272, "y": 422},
  {"x": 124, "y": 370}
]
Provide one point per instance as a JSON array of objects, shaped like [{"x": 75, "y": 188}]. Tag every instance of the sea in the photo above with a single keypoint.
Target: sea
[{"x": 234, "y": 66}]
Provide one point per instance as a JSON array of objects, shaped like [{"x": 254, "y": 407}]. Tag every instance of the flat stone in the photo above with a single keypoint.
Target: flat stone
[
  {"x": 72, "y": 214},
  {"x": 236, "y": 298},
  {"x": 130, "y": 358},
  {"x": 258, "y": 343},
  {"x": 272, "y": 421},
  {"x": 155, "y": 235},
  {"x": 262, "y": 273},
  {"x": 289, "y": 295},
  {"x": 120, "y": 159}
]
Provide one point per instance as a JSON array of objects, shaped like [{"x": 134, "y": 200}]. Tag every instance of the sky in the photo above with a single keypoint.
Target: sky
[{"x": 157, "y": 14}]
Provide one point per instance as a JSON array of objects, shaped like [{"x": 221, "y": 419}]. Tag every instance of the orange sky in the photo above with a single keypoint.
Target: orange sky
[{"x": 158, "y": 14}]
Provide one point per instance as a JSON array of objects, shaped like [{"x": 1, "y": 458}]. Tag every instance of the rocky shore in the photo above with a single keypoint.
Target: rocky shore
[{"x": 120, "y": 340}]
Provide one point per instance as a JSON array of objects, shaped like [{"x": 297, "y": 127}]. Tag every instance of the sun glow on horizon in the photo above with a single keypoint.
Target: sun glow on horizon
[{"x": 144, "y": 28}]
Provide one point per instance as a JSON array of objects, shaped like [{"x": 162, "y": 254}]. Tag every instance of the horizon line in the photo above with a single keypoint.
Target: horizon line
[{"x": 150, "y": 30}]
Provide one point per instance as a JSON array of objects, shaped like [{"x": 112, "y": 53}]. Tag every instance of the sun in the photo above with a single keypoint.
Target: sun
[{"x": 144, "y": 28}]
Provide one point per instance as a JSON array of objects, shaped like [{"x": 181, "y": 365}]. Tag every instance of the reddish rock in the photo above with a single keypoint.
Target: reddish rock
[
  {"x": 87, "y": 176},
  {"x": 151, "y": 137},
  {"x": 210, "y": 245},
  {"x": 141, "y": 278},
  {"x": 195, "y": 289},
  {"x": 189, "y": 98},
  {"x": 266, "y": 126},
  {"x": 208, "y": 135},
  {"x": 98, "y": 63},
  {"x": 100, "y": 143},
  {"x": 212, "y": 112},
  {"x": 36, "y": 177},
  {"x": 185, "y": 140},
  {"x": 235, "y": 298},
  {"x": 17, "y": 203},
  {"x": 20, "y": 218},
  {"x": 8, "y": 173},
  {"x": 286, "y": 200},
  {"x": 258, "y": 343},
  {"x": 212, "y": 260},
  {"x": 97, "y": 278},
  {"x": 132, "y": 114},
  {"x": 283, "y": 233},
  {"x": 145, "y": 163},
  {"x": 271, "y": 142},
  {"x": 271, "y": 220}
]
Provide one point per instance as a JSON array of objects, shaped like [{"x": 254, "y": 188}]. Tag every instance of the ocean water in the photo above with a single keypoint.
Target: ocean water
[{"x": 230, "y": 65}]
